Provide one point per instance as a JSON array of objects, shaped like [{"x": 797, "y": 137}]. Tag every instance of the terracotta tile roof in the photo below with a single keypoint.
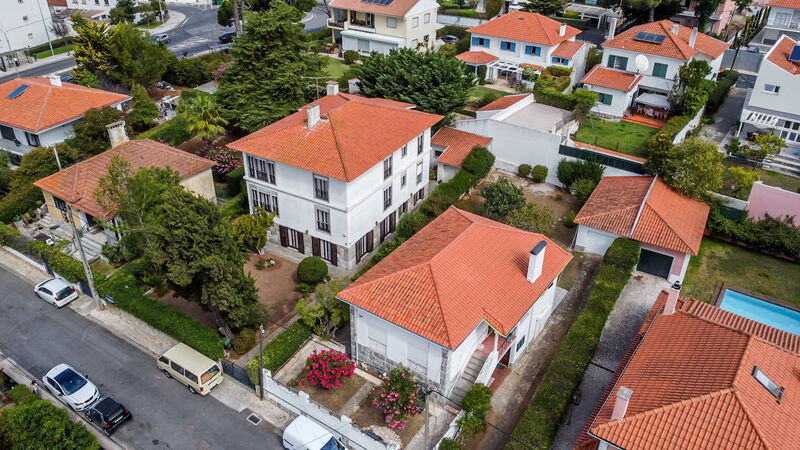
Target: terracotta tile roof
[
  {"x": 779, "y": 54},
  {"x": 457, "y": 144},
  {"x": 792, "y": 4},
  {"x": 647, "y": 210},
  {"x": 609, "y": 152},
  {"x": 567, "y": 49},
  {"x": 457, "y": 271},
  {"x": 693, "y": 388},
  {"x": 612, "y": 79},
  {"x": 43, "y": 106},
  {"x": 504, "y": 102},
  {"x": 397, "y": 8},
  {"x": 76, "y": 184},
  {"x": 57, "y": 3},
  {"x": 526, "y": 27},
  {"x": 532, "y": 66},
  {"x": 354, "y": 133},
  {"x": 676, "y": 47},
  {"x": 476, "y": 57}
]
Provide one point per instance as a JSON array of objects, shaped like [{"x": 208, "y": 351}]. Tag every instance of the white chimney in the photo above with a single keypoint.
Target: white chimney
[
  {"x": 621, "y": 405},
  {"x": 55, "y": 80},
  {"x": 672, "y": 300},
  {"x": 693, "y": 37},
  {"x": 332, "y": 88},
  {"x": 117, "y": 133},
  {"x": 536, "y": 261},
  {"x": 675, "y": 28},
  {"x": 352, "y": 86},
  {"x": 313, "y": 115},
  {"x": 562, "y": 30},
  {"x": 612, "y": 28}
]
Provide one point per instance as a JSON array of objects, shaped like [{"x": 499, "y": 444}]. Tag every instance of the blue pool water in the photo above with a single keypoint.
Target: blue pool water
[{"x": 761, "y": 311}]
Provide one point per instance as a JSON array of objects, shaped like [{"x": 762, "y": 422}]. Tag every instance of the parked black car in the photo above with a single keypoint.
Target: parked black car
[
  {"x": 449, "y": 39},
  {"x": 224, "y": 38},
  {"x": 107, "y": 414}
]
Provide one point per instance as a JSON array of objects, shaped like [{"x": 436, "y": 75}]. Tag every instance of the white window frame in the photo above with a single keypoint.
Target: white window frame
[
  {"x": 427, "y": 17},
  {"x": 415, "y": 22},
  {"x": 404, "y": 151},
  {"x": 391, "y": 22},
  {"x": 775, "y": 89},
  {"x": 403, "y": 180},
  {"x": 377, "y": 340},
  {"x": 322, "y": 216},
  {"x": 326, "y": 249},
  {"x": 420, "y": 171}
]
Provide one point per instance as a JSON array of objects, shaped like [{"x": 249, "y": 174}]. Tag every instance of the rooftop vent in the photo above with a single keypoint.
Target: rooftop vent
[
  {"x": 18, "y": 91},
  {"x": 651, "y": 38},
  {"x": 795, "y": 55},
  {"x": 768, "y": 384}
]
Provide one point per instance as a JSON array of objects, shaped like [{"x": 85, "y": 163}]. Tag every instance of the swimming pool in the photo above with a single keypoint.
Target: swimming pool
[{"x": 761, "y": 311}]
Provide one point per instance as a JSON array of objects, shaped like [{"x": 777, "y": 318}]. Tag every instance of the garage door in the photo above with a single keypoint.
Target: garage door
[{"x": 654, "y": 263}]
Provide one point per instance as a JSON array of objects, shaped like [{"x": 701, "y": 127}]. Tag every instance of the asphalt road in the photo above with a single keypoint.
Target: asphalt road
[{"x": 165, "y": 414}]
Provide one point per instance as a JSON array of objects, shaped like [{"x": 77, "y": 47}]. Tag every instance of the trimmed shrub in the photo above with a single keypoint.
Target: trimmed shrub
[
  {"x": 582, "y": 188},
  {"x": 234, "y": 179},
  {"x": 312, "y": 270},
  {"x": 484, "y": 100},
  {"x": 327, "y": 369},
  {"x": 770, "y": 236},
  {"x": 539, "y": 173},
  {"x": 532, "y": 217},
  {"x": 502, "y": 197},
  {"x": 244, "y": 341},
  {"x": 66, "y": 266},
  {"x": 350, "y": 56},
  {"x": 455, "y": 30},
  {"x": 558, "y": 71},
  {"x": 482, "y": 74},
  {"x": 624, "y": 254},
  {"x": 172, "y": 132},
  {"x": 449, "y": 444},
  {"x": 280, "y": 349},
  {"x": 479, "y": 162},
  {"x": 524, "y": 170},
  {"x": 571, "y": 170}
]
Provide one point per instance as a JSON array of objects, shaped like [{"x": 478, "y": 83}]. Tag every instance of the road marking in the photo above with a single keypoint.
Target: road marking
[
  {"x": 308, "y": 18},
  {"x": 192, "y": 41}
]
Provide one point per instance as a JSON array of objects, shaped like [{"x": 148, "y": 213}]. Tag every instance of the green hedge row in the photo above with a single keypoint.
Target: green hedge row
[
  {"x": 128, "y": 295},
  {"x": 552, "y": 97},
  {"x": 172, "y": 132},
  {"x": 541, "y": 420},
  {"x": 66, "y": 266},
  {"x": 280, "y": 349},
  {"x": 720, "y": 93},
  {"x": 770, "y": 236}
]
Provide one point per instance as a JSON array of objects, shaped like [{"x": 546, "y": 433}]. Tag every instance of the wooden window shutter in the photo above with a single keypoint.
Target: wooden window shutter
[
  {"x": 392, "y": 221},
  {"x": 370, "y": 241},
  {"x": 315, "y": 246},
  {"x": 284, "y": 237},
  {"x": 300, "y": 241},
  {"x": 383, "y": 232},
  {"x": 334, "y": 257}
]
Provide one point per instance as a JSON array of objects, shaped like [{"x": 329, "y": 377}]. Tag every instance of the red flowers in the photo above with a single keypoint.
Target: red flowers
[
  {"x": 399, "y": 398},
  {"x": 225, "y": 158},
  {"x": 328, "y": 369}
]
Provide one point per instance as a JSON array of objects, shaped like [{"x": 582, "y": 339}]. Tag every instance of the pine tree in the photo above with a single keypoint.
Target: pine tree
[{"x": 144, "y": 110}]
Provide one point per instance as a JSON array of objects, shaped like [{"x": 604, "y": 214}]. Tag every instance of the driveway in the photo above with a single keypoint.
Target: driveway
[
  {"x": 165, "y": 415},
  {"x": 721, "y": 130},
  {"x": 621, "y": 327}
]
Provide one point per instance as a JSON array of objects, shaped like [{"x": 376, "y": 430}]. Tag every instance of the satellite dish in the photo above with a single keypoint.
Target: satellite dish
[{"x": 642, "y": 63}]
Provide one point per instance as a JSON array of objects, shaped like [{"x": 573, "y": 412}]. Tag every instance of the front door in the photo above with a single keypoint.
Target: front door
[{"x": 655, "y": 263}]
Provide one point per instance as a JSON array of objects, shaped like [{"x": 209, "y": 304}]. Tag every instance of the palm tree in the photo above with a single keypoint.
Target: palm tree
[{"x": 205, "y": 119}]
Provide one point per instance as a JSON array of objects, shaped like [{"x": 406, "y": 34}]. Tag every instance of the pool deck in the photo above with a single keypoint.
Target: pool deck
[{"x": 719, "y": 293}]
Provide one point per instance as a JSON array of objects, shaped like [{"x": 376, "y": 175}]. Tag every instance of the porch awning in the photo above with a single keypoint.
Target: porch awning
[{"x": 654, "y": 100}]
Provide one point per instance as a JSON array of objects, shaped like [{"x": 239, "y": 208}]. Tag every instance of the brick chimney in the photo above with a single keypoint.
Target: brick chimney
[
  {"x": 621, "y": 405},
  {"x": 672, "y": 300},
  {"x": 313, "y": 115},
  {"x": 693, "y": 37},
  {"x": 675, "y": 28},
  {"x": 562, "y": 30},
  {"x": 332, "y": 88},
  {"x": 536, "y": 261},
  {"x": 117, "y": 133}
]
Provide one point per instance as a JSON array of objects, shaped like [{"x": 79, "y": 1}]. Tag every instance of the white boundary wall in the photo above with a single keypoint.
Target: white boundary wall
[{"x": 689, "y": 127}]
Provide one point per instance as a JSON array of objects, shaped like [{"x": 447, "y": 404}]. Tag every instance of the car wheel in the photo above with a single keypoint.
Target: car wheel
[
  {"x": 166, "y": 373},
  {"x": 191, "y": 389},
  {"x": 88, "y": 419}
]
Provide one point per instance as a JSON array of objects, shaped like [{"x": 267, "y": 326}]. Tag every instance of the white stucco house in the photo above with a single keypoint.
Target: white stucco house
[
  {"x": 450, "y": 147},
  {"x": 338, "y": 174},
  {"x": 383, "y": 25},
  {"x": 668, "y": 226},
  {"x": 25, "y": 23},
  {"x": 783, "y": 19},
  {"x": 663, "y": 47},
  {"x": 462, "y": 295},
  {"x": 509, "y": 43},
  {"x": 40, "y": 111},
  {"x": 772, "y": 106}
]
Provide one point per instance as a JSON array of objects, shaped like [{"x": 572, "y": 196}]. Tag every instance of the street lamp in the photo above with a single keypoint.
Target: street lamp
[
  {"x": 10, "y": 50},
  {"x": 261, "y": 361}
]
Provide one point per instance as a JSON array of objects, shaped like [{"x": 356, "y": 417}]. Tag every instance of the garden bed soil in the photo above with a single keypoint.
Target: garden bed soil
[
  {"x": 333, "y": 399},
  {"x": 192, "y": 309},
  {"x": 370, "y": 415},
  {"x": 275, "y": 287}
]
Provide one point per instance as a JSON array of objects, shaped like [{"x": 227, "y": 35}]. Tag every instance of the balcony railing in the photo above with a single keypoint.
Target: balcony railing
[
  {"x": 784, "y": 23},
  {"x": 339, "y": 25}
]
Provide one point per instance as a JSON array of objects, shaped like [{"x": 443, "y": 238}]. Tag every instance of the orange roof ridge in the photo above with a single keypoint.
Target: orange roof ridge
[
  {"x": 666, "y": 223},
  {"x": 642, "y": 205},
  {"x": 439, "y": 304},
  {"x": 337, "y": 145},
  {"x": 746, "y": 412},
  {"x": 674, "y": 37},
  {"x": 44, "y": 106}
]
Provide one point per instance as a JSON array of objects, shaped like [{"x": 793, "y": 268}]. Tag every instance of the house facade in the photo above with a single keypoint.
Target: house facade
[
  {"x": 450, "y": 147},
  {"x": 439, "y": 303},
  {"x": 40, "y": 112},
  {"x": 509, "y": 43},
  {"x": 783, "y": 19},
  {"x": 338, "y": 174},
  {"x": 26, "y": 24},
  {"x": 771, "y": 107},
  {"x": 661, "y": 49},
  {"x": 380, "y": 26},
  {"x": 717, "y": 21}
]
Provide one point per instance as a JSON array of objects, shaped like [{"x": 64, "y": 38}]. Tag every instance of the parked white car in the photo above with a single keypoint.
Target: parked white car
[
  {"x": 306, "y": 434},
  {"x": 72, "y": 388},
  {"x": 56, "y": 291}
]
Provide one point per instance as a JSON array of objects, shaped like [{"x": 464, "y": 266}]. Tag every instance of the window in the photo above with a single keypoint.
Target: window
[
  {"x": 617, "y": 62},
  {"x": 559, "y": 60},
  {"x": 414, "y": 43},
  {"x": 415, "y": 22},
  {"x": 321, "y": 187},
  {"x": 192, "y": 377},
  {"x": 387, "y": 226},
  {"x": 420, "y": 143},
  {"x": 364, "y": 246},
  {"x": 387, "y": 167},
  {"x": 387, "y": 197},
  {"x": 324, "y": 249},
  {"x": 425, "y": 39},
  {"x": 427, "y": 17},
  {"x": 24, "y": 18},
  {"x": 176, "y": 367},
  {"x": 30, "y": 35},
  {"x": 266, "y": 200},
  {"x": 417, "y": 359},
  {"x": 353, "y": 16},
  {"x": 163, "y": 359},
  {"x": 363, "y": 45},
  {"x": 419, "y": 172},
  {"x": 291, "y": 238},
  {"x": 771, "y": 88},
  {"x": 767, "y": 382},
  {"x": 391, "y": 22},
  {"x": 419, "y": 195},
  {"x": 480, "y": 42},
  {"x": 403, "y": 180},
  {"x": 508, "y": 46},
  {"x": 33, "y": 140},
  {"x": 533, "y": 50},
  {"x": 520, "y": 343},
  {"x": 376, "y": 338},
  {"x": 261, "y": 169},
  {"x": 61, "y": 205},
  {"x": 660, "y": 70},
  {"x": 7, "y": 133},
  {"x": 402, "y": 209},
  {"x": 605, "y": 99},
  {"x": 369, "y": 20},
  {"x": 323, "y": 220},
  {"x": 404, "y": 151}
]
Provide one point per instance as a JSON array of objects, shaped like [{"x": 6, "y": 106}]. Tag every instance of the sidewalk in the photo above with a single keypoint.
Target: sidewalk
[
  {"x": 25, "y": 65},
  {"x": 174, "y": 19}
]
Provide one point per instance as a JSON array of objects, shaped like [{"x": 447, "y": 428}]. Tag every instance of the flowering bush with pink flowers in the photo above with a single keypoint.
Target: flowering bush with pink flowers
[
  {"x": 225, "y": 158},
  {"x": 399, "y": 397},
  {"x": 327, "y": 369}
]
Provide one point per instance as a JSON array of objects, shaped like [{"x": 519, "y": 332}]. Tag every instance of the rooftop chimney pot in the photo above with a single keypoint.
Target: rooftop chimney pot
[
  {"x": 612, "y": 28},
  {"x": 562, "y": 30},
  {"x": 621, "y": 405},
  {"x": 675, "y": 28},
  {"x": 55, "y": 80},
  {"x": 693, "y": 37},
  {"x": 117, "y": 133},
  {"x": 536, "y": 261},
  {"x": 332, "y": 88},
  {"x": 672, "y": 301},
  {"x": 313, "y": 115}
]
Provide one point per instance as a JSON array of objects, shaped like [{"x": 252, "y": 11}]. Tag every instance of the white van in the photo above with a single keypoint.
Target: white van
[
  {"x": 192, "y": 368},
  {"x": 305, "y": 434}
]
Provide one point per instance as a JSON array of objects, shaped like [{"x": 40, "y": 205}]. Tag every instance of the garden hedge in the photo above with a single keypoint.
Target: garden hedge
[
  {"x": 726, "y": 80},
  {"x": 280, "y": 349},
  {"x": 234, "y": 179},
  {"x": 770, "y": 236},
  {"x": 172, "y": 132},
  {"x": 541, "y": 420},
  {"x": 68, "y": 267},
  {"x": 128, "y": 295}
]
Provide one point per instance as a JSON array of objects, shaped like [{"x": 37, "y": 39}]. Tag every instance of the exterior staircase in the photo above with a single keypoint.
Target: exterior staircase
[
  {"x": 468, "y": 377},
  {"x": 786, "y": 164}
]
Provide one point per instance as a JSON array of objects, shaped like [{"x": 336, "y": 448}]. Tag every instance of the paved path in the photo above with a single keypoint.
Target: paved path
[
  {"x": 721, "y": 131},
  {"x": 38, "y": 336}
]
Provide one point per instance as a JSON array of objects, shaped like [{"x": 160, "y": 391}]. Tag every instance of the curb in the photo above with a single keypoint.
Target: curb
[{"x": 171, "y": 24}]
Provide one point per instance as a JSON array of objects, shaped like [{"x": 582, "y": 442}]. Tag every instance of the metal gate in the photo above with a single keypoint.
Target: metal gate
[{"x": 238, "y": 373}]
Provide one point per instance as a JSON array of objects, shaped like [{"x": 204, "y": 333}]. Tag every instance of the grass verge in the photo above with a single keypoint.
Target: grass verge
[
  {"x": 280, "y": 349},
  {"x": 623, "y": 137}
]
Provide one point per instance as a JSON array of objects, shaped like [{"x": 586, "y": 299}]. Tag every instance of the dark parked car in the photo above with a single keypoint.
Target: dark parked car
[
  {"x": 107, "y": 414},
  {"x": 224, "y": 38},
  {"x": 449, "y": 39},
  {"x": 67, "y": 78}
]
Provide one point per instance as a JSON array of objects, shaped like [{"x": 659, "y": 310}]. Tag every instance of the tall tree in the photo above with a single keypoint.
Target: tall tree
[
  {"x": 136, "y": 58},
  {"x": 266, "y": 82},
  {"x": 92, "y": 46},
  {"x": 584, "y": 102},
  {"x": 123, "y": 12},
  {"x": 225, "y": 13},
  {"x": 35, "y": 423},
  {"x": 651, "y": 7},
  {"x": 545, "y": 7},
  {"x": 703, "y": 11},
  {"x": 692, "y": 86},
  {"x": 694, "y": 167},
  {"x": 205, "y": 118},
  {"x": 91, "y": 135},
  {"x": 434, "y": 82},
  {"x": 144, "y": 110},
  {"x": 252, "y": 228}
]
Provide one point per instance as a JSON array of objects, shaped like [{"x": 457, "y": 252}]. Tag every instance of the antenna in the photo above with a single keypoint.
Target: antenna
[{"x": 316, "y": 83}]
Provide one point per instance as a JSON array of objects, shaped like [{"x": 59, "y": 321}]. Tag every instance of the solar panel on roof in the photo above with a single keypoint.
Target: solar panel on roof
[
  {"x": 652, "y": 38},
  {"x": 795, "y": 55},
  {"x": 18, "y": 91},
  {"x": 378, "y": 2}
]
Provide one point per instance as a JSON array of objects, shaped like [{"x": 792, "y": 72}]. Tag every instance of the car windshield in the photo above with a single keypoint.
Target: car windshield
[
  {"x": 332, "y": 444},
  {"x": 70, "y": 381},
  {"x": 210, "y": 373},
  {"x": 65, "y": 292}
]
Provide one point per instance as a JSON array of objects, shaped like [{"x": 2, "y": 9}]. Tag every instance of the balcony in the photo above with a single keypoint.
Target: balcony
[
  {"x": 362, "y": 25},
  {"x": 337, "y": 25},
  {"x": 793, "y": 24}
]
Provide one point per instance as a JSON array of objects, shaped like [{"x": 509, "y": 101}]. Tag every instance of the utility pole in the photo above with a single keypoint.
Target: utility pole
[
  {"x": 160, "y": 12},
  {"x": 261, "y": 361},
  {"x": 46, "y": 31},
  {"x": 427, "y": 435}
]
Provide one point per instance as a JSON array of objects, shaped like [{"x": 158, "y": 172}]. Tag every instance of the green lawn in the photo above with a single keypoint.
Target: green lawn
[
  {"x": 623, "y": 137},
  {"x": 152, "y": 25},
  {"x": 721, "y": 262},
  {"x": 477, "y": 92},
  {"x": 335, "y": 68},
  {"x": 58, "y": 50}
]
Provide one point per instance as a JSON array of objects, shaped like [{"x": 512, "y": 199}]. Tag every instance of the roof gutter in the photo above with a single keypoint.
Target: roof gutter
[{"x": 641, "y": 207}]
